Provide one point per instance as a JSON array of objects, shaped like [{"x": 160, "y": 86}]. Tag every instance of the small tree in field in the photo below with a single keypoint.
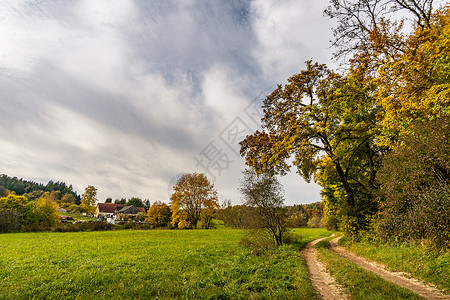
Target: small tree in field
[
  {"x": 158, "y": 215},
  {"x": 89, "y": 198},
  {"x": 194, "y": 195},
  {"x": 265, "y": 194}
]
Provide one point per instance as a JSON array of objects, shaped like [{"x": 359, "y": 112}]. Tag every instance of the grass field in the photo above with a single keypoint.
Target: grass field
[
  {"x": 194, "y": 264},
  {"x": 416, "y": 260}
]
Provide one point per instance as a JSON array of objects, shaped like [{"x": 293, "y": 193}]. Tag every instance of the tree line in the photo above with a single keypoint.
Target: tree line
[
  {"x": 375, "y": 135},
  {"x": 33, "y": 190}
]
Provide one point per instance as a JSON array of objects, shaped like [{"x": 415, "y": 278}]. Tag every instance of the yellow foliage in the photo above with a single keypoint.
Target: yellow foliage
[
  {"x": 192, "y": 196},
  {"x": 414, "y": 84},
  {"x": 12, "y": 202},
  {"x": 158, "y": 214}
]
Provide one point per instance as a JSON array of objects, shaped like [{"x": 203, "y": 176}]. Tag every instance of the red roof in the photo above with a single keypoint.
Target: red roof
[
  {"x": 141, "y": 209},
  {"x": 109, "y": 207}
]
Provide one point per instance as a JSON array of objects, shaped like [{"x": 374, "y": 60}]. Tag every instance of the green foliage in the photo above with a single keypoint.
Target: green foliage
[
  {"x": 235, "y": 216},
  {"x": 305, "y": 215},
  {"x": 120, "y": 201},
  {"x": 33, "y": 190},
  {"x": 166, "y": 264},
  {"x": 140, "y": 216},
  {"x": 136, "y": 202},
  {"x": 84, "y": 226},
  {"x": 42, "y": 211},
  {"x": 17, "y": 212},
  {"x": 328, "y": 123},
  {"x": 415, "y": 192}
]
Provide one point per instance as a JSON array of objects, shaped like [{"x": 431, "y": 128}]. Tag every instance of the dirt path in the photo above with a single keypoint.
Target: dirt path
[
  {"x": 397, "y": 278},
  {"x": 322, "y": 281}
]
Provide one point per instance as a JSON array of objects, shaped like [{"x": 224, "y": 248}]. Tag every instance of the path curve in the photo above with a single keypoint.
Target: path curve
[
  {"x": 321, "y": 280},
  {"x": 397, "y": 278}
]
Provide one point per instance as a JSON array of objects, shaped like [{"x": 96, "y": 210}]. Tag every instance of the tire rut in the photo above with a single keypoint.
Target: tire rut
[
  {"x": 323, "y": 283},
  {"x": 397, "y": 278}
]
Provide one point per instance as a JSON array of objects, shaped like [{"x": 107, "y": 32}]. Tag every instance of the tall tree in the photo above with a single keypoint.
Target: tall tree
[
  {"x": 328, "y": 122},
  {"x": 414, "y": 84},
  {"x": 369, "y": 27},
  {"x": 193, "y": 194},
  {"x": 266, "y": 195},
  {"x": 89, "y": 199}
]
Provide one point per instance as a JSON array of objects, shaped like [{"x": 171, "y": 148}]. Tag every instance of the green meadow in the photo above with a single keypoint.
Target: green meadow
[{"x": 143, "y": 264}]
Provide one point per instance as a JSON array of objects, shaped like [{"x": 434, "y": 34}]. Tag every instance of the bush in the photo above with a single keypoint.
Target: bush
[
  {"x": 84, "y": 226},
  {"x": 140, "y": 217},
  {"x": 10, "y": 220},
  {"x": 415, "y": 192},
  {"x": 36, "y": 227}
]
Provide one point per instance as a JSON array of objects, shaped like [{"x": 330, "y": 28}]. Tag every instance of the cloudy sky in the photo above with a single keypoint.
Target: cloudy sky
[{"x": 125, "y": 95}]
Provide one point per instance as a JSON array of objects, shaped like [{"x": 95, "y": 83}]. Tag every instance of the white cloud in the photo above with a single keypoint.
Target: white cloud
[
  {"x": 289, "y": 33},
  {"x": 123, "y": 95}
]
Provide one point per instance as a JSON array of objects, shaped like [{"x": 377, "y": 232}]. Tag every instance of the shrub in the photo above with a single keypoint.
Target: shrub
[
  {"x": 140, "y": 217},
  {"x": 10, "y": 220},
  {"x": 415, "y": 192}
]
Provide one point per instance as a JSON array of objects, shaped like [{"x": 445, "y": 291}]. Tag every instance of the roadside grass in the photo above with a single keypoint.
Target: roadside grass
[
  {"x": 419, "y": 261},
  {"x": 146, "y": 264},
  {"x": 358, "y": 282}
]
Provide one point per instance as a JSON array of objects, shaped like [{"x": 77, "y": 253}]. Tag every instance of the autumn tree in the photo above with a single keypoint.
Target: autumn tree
[
  {"x": 265, "y": 194},
  {"x": 414, "y": 84},
  {"x": 42, "y": 211},
  {"x": 89, "y": 199},
  {"x": 328, "y": 123},
  {"x": 17, "y": 211},
  {"x": 158, "y": 214},
  {"x": 193, "y": 196},
  {"x": 369, "y": 27}
]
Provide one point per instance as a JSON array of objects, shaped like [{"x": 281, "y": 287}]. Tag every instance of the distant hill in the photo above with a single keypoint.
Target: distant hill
[{"x": 22, "y": 187}]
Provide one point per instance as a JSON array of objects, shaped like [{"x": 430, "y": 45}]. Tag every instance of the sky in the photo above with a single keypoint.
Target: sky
[{"x": 127, "y": 95}]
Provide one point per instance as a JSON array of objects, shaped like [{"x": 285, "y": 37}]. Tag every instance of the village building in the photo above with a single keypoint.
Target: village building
[{"x": 109, "y": 211}]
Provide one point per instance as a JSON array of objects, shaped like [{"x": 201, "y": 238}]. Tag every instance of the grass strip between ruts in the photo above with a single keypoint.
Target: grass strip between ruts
[
  {"x": 358, "y": 282},
  {"x": 417, "y": 260}
]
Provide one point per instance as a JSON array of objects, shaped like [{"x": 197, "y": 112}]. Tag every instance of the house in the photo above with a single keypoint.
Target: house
[
  {"x": 109, "y": 211},
  {"x": 131, "y": 210}
]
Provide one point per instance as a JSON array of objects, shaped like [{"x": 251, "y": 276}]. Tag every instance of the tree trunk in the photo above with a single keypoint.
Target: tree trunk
[{"x": 343, "y": 178}]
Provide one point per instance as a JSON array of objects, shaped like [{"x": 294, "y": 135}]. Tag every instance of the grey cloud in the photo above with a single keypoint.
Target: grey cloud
[{"x": 137, "y": 88}]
